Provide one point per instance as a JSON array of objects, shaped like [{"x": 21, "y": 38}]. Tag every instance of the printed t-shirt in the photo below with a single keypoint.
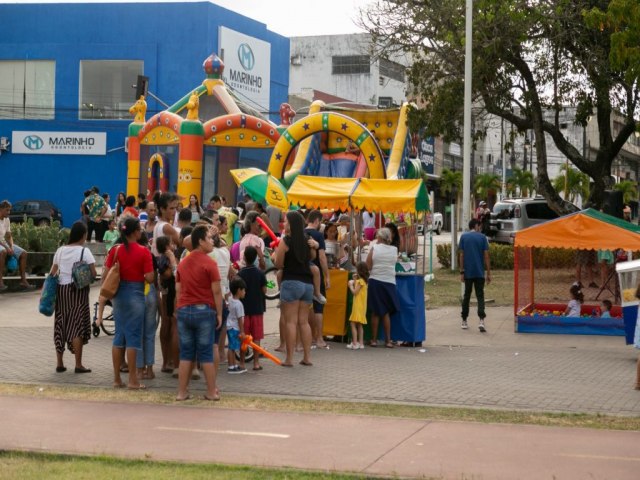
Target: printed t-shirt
[
  {"x": 135, "y": 261},
  {"x": 236, "y": 311},
  {"x": 254, "y": 241},
  {"x": 95, "y": 204},
  {"x": 195, "y": 274},
  {"x": 254, "y": 300}
]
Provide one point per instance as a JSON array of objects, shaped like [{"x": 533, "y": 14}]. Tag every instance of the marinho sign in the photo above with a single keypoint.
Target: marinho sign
[
  {"x": 247, "y": 67},
  {"x": 59, "y": 143}
]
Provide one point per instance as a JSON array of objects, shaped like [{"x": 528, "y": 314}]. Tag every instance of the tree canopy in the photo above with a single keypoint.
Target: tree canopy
[{"x": 531, "y": 58}]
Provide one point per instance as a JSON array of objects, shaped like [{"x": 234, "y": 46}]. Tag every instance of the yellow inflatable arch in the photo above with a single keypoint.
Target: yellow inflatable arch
[{"x": 327, "y": 122}]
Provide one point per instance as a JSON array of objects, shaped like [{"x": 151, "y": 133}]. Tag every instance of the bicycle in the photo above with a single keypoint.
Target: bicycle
[
  {"x": 271, "y": 272},
  {"x": 108, "y": 325}
]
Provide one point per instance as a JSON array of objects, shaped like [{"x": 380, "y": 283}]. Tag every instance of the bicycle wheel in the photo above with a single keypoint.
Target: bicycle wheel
[
  {"x": 248, "y": 355},
  {"x": 273, "y": 290},
  {"x": 108, "y": 323}
]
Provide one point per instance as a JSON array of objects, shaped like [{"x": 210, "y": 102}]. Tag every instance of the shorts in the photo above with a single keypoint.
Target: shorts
[
  {"x": 128, "y": 313},
  {"x": 254, "y": 326},
  {"x": 295, "y": 290},
  {"x": 196, "y": 331},
  {"x": 233, "y": 337},
  {"x": 17, "y": 251}
]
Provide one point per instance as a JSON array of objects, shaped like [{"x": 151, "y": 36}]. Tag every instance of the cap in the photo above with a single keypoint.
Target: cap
[
  {"x": 483, "y": 203},
  {"x": 343, "y": 218}
]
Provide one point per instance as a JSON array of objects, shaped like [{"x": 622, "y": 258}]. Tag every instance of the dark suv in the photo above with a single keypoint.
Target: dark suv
[{"x": 43, "y": 212}]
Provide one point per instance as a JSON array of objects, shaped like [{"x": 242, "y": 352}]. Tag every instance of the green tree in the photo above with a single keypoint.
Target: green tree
[
  {"x": 523, "y": 181},
  {"x": 573, "y": 183},
  {"x": 451, "y": 183},
  {"x": 530, "y": 59},
  {"x": 485, "y": 184},
  {"x": 629, "y": 190}
]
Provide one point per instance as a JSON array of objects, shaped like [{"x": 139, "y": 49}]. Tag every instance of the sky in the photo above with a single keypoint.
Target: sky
[{"x": 290, "y": 18}]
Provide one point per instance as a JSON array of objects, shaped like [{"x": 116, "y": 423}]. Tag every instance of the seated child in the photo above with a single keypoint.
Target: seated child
[
  {"x": 577, "y": 298},
  {"x": 606, "y": 309}
]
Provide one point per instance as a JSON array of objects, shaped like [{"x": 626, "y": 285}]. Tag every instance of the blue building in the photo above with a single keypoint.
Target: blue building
[{"x": 67, "y": 76}]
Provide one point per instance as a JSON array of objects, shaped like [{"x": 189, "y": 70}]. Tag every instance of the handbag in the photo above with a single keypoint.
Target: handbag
[
  {"x": 111, "y": 282},
  {"x": 48, "y": 295},
  {"x": 81, "y": 273}
]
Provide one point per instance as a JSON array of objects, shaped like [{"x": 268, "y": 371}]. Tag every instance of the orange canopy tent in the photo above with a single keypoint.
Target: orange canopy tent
[{"x": 587, "y": 230}]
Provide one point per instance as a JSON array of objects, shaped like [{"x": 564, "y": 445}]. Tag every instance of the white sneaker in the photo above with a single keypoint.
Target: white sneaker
[
  {"x": 320, "y": 299},
  {"x": 464, "y": 325},
  {"x": 481, "y": 327},
  {"x": 361, "y": 346},
  {"x": 352, "y": 346}
]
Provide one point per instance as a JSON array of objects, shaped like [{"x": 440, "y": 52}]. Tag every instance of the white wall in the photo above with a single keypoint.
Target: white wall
[{"x": 311, "y": 66}]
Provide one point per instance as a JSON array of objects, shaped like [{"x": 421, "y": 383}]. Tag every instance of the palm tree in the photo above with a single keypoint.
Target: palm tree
[
  {"x": 450, "y": 182},
  {"x": 628, "y": 189},
  {"x": 486, "y": 184},
  {"x": 573, "y": 182},
  {"x": 524, "y": 181}
]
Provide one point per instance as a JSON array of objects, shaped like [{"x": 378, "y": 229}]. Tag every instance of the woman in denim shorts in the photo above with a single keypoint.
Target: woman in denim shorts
[
  {"x": 199, "y": 312},
  {"x": 136, "y": 268},
  {"x": 296, "y": 291}
]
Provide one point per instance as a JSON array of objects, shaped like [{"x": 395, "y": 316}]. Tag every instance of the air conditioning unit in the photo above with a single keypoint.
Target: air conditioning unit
[{"x": 296, "y": 60}]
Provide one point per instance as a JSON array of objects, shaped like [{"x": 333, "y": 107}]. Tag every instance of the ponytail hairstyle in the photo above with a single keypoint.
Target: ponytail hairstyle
[
  {"x": 128, "y": 227},
  {"x": 576, "y": 293}
]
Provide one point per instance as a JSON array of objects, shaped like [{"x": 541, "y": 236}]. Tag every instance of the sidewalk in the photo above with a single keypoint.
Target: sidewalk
[
  {"x": 499, "y": 369},
  {"x": 330, "y": 443}
]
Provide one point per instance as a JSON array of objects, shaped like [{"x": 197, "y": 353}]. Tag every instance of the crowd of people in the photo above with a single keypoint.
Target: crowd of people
[{"x": 201, "y": 270}]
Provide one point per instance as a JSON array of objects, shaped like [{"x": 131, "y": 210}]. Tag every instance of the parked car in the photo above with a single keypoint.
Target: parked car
[
  {"x": 435, "y": 225},
  {"x": 512, "y": 215},
  {"x": 43, "y": 212}
]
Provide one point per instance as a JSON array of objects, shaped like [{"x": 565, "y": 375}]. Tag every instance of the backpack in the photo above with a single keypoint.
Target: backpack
[{"x": 81, "y": 273}]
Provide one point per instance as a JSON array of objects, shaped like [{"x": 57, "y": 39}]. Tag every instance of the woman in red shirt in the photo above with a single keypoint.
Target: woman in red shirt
[
  {"x": 136, "y": 267},
  {"x": 199, "y": 312}
]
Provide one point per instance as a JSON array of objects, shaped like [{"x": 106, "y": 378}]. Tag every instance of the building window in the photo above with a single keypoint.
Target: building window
[
  {"x": 105, "y": 88},
  {"x": 27, "y": 89},
  {"x": 350, "y": 64},
  {"x": 392, "y": 70}
]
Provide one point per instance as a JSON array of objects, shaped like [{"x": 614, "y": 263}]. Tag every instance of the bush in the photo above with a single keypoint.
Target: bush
[
  {"x": 46, "y": 238},
  {"x": 501, "y": 256}
]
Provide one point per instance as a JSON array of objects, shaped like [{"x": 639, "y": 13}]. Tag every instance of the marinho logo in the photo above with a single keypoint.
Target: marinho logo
[
  {"x": 33, "y": 142},
  {"x": 242, "y": 79},
  {"x": 246, "y": 57}
]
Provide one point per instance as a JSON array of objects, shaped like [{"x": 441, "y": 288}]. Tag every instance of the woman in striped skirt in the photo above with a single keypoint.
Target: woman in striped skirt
[{"x": 72, "y": 326}]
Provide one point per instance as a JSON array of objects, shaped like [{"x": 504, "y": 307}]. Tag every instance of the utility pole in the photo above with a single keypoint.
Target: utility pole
[{"x": 466, "y": 168}]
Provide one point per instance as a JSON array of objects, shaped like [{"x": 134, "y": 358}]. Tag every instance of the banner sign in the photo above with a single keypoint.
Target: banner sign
[
  {"x": 427, "y": 154},
  {"x": 59, "y": 143},
  {"x": 247, "y": 67}
]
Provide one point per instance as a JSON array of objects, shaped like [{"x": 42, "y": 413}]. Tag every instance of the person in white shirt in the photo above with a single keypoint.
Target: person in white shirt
[
  {"x": 72, "y": 325},
  {"x": 8, "y": 248}
]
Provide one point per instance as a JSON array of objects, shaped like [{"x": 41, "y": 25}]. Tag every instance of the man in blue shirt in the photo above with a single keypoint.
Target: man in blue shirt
[{"x": 474, "y": 261}]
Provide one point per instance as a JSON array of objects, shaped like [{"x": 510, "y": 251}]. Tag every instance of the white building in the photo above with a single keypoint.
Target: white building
[{"x": 344, "y": 66}]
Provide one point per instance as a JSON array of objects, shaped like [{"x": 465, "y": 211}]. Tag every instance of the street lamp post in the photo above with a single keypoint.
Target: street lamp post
[{"x": 466, "y": 170}]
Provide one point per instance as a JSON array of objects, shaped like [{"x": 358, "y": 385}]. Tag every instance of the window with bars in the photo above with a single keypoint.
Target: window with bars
[
  {"x": 27, "y": 89},
  {"x": 392, "y": 70},
  {"x": 350, "y": 64}
]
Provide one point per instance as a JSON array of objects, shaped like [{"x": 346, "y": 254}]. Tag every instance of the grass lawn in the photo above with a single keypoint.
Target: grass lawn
[
  {"x": 445, "y": 289},
  {"x": 32, "y": 465}
]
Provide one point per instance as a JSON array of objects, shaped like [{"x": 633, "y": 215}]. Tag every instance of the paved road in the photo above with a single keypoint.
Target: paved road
[{"x": 366, "y": 445}]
